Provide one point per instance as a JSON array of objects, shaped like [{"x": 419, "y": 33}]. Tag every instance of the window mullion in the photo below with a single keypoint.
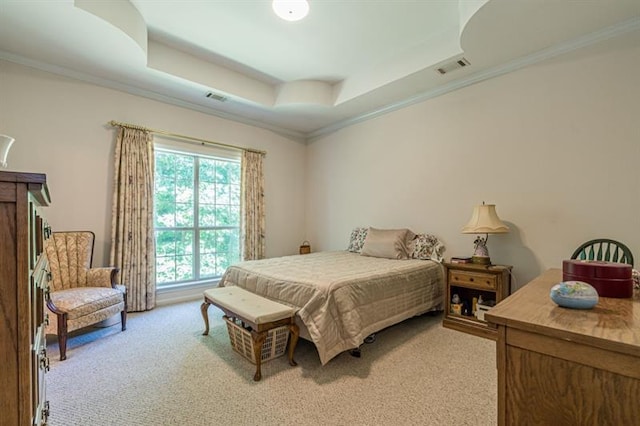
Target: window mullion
[{"x": 196, "y": 218}]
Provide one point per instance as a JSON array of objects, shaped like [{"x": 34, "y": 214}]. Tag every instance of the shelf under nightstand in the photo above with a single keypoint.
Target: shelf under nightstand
[{"x": 469, "y": 280}]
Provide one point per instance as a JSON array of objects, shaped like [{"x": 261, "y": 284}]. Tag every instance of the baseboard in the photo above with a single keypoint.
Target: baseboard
[{"x": 169, "y": 296}]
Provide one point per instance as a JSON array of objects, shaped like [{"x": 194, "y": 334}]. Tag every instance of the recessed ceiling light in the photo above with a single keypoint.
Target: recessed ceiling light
[{"x": 291, "y": 10}]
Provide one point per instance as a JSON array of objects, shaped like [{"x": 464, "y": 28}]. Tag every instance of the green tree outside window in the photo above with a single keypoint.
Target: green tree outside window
[{"x": 197, "y": 216}]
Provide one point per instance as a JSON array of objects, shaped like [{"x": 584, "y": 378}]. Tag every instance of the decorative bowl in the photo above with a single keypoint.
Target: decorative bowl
[{"x": 574, "y": 294}]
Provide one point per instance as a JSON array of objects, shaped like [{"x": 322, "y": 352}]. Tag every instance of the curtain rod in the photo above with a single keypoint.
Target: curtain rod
[{"x": 190, "y": 138}]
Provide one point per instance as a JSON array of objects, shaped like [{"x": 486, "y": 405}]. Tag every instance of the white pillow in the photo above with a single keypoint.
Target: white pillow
[{"x": 387, "y": 243}]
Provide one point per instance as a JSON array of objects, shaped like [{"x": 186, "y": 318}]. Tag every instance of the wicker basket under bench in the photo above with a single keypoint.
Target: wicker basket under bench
[
  {"x": 274, "y": 345},
  {"x": 258, "y": 327}
]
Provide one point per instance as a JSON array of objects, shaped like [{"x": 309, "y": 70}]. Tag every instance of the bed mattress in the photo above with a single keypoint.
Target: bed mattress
[{"x": 341, "y": 297}]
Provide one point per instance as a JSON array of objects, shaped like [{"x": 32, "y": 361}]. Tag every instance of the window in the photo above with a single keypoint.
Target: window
[{"x": 197, "y": 215}]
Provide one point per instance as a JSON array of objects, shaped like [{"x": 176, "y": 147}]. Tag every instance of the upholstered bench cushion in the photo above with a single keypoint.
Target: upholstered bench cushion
[
  {"x": 250, "y": 306},
  {"x": 80, "y": 301}
]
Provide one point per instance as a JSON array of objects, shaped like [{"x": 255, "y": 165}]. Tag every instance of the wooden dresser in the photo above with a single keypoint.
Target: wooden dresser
[
  {"x": 559, "y": 366},
  {"x": 23, "y": 284}
]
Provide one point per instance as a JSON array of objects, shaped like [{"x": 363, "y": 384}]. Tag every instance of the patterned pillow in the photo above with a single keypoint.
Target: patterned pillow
[
  {"x": 636, "y": 278},
  {"x": 356, "y": 241},
  {"x": 427, "y": 247}
]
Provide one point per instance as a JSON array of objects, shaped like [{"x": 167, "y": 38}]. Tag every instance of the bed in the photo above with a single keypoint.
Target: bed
[{"x": 343, "y": 296}]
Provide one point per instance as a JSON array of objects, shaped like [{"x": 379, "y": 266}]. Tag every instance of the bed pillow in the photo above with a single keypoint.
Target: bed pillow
[
  {"x": 387, "y": 243},
  {"x": 427, "y": 247},
  {"x": 356, "y": 241}
]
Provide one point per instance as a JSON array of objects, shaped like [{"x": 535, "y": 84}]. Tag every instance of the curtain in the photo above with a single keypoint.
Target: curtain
[
  {"x": 132, "y": 232},
  {"x": 253, "y": 227}
]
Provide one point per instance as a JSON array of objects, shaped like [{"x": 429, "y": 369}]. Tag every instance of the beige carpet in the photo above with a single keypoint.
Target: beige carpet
[{"x": 162, "y": 371}]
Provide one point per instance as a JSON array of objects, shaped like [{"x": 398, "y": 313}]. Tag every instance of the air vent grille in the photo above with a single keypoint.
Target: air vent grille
[
  {"x": 460, "y": 63},
  {"x": 216, "y": 97}
]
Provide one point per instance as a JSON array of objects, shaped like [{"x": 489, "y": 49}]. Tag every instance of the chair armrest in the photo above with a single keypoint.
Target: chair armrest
[
  {"x": 52, "y": 307},
  {"x": 102, "y": 277}
]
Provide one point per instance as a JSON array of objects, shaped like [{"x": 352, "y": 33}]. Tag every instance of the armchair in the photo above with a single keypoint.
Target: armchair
[{"x": 79, "y": 295}]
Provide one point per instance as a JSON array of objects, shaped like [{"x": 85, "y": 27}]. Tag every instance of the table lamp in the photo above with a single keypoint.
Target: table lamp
[
  {"x": 5, "y": 144},
  {"x": 484, "y": 220}
]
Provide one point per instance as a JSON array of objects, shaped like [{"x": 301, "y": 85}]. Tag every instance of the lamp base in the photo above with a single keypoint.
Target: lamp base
[{"x": 481, "y": 260}]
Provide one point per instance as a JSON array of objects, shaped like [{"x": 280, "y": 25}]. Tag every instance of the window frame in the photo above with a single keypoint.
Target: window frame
[{"x": 198, "y": 152}]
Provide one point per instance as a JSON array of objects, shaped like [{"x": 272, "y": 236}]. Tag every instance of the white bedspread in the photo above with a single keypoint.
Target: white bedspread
[{"x": 342, "y": 297}]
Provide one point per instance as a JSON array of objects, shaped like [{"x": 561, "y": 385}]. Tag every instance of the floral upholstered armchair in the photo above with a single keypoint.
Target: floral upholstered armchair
[{"x": 79, "y": 295}]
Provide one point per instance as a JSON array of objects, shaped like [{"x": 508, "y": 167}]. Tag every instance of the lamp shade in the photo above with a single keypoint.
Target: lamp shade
[
  {"x": 5, "y": 144},
  {"x": 485, "y": 220}
]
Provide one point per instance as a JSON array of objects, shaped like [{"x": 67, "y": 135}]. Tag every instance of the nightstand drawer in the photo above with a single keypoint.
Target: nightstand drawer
[{"x": 473, "y": 279}]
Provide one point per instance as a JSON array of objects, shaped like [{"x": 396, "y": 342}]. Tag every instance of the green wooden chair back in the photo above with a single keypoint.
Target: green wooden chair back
[{"x": 605, "y": 250}]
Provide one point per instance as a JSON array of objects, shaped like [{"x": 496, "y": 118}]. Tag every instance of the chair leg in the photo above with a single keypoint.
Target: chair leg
[
  {"x": 123, "y": 319},
  {"x": 123, "y": 314},
  {"x": 62, "y": 335}
]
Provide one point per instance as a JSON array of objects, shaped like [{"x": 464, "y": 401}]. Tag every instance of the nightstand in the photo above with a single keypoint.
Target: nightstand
[{"x": 469, "y": 281}]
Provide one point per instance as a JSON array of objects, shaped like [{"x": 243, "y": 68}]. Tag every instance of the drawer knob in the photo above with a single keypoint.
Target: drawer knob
[{"x": 471, "y": 279}]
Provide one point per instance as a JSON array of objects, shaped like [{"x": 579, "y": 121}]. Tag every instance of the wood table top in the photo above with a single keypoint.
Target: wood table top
[{"x": 613, "y": 324}]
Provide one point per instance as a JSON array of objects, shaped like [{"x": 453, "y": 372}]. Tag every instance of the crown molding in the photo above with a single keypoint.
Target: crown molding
[
  {"x": 554, "y": 51},
  {"x": 110, "y": 84},
  {"x": 548, "y": 53}
]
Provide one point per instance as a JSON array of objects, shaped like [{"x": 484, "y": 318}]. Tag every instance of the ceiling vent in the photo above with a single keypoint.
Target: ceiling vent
[
  {"x": 460, "y": 63},
  {"x": 216, "y": 97}
]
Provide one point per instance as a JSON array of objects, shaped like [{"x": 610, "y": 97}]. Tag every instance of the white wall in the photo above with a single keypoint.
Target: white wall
[
  {"x": 60, "y": 129},
  {"x": 555, "y": 146}
]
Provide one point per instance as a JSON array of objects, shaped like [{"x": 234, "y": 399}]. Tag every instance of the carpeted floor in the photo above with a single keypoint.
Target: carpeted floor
[{"x": 162, "y": 371}]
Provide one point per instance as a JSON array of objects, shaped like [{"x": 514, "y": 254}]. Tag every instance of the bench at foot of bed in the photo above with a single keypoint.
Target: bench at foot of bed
[{"x": 257, "y": 312}]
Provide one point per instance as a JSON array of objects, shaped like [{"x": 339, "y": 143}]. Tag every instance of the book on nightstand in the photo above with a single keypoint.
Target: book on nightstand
[{"x": 460, "y": 259}]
